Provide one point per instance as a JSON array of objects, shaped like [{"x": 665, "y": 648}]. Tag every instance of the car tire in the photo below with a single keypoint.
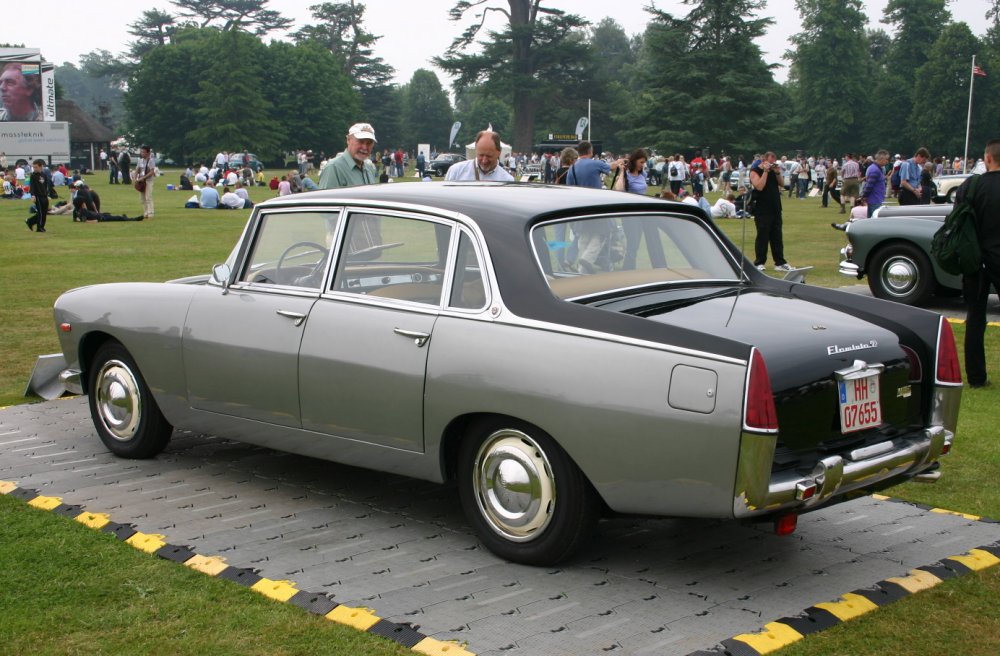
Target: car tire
[
  {"x": 527, "y": 500},
  {"x": 951, "y": 195},
  {"x": 125, "y": 414},
  {"x": 901, "y": 272}
]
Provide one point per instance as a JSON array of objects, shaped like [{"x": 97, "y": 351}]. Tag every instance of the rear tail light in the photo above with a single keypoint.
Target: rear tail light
[
  {"x": 759, "y": 413},
  {"x": 948, "y": 370}
]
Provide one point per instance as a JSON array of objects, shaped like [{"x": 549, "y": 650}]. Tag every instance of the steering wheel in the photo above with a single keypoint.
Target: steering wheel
[{"x": 299, "y": 244}]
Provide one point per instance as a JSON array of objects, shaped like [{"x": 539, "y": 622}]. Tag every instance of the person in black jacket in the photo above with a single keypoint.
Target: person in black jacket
[
  {"x": 40, "y": 187},
  {"x": 766, "y": 178},
  {"x": 125, "y": 166},
  {"x": 976, "y": 288}
]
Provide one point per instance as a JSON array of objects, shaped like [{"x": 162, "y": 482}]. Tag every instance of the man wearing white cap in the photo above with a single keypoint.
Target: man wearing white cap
[{"x": 353, "y": 167}]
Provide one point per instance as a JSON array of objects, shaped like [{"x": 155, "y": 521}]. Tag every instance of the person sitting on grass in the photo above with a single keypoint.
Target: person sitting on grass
[
  {"x": 229, "y": 200},
  {"x": 209, "y": 198}
]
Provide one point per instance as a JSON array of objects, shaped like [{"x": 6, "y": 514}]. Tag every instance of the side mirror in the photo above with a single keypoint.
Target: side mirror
[{"x": 220, "y": 275}]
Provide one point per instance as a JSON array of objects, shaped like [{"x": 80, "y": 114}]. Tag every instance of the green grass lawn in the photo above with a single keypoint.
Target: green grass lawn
[{"x": 68, "y": 589}]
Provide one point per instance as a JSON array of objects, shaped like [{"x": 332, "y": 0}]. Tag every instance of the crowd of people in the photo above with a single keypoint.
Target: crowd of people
[{"x": 862, "y": 183}]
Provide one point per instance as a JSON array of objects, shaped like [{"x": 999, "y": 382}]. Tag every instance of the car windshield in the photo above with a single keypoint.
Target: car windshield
[{"x": 589, "y": 257}]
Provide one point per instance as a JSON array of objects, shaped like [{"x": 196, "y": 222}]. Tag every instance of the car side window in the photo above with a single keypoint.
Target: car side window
[
  {"x": 468, "y": 290},
  {"x": 393, "y": 257},
  {"x": 290, "y": 249}
]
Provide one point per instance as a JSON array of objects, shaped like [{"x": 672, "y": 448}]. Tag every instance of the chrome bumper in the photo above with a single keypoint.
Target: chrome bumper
[
  {"x": 850, "y": 269},
  {"x": 71, "y": 379},
  {"x": 758, "y": 493}
]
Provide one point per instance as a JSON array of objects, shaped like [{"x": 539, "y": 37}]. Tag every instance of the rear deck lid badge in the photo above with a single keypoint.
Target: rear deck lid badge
[{"x": 836, "y": 349}]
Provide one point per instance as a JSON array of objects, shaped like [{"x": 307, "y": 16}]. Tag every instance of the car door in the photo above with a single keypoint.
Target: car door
[
  {"x": 364, "y": 352},
  {"x": 241, "y": 345}
]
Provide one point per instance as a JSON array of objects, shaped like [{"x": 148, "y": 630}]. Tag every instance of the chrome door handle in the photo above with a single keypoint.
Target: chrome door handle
[
  {"x": 418, "y": 338},
  {"x": 297, "y": 316}
]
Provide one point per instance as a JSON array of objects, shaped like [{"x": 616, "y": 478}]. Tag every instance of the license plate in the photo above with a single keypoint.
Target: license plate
[{"x": 860, "y": 407}]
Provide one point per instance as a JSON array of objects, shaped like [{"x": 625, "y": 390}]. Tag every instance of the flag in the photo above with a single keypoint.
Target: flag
[{"x": 978, "y": 71}]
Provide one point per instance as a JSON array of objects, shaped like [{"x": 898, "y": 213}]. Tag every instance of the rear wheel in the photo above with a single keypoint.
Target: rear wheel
[
  {"x": 951, "y": 195},
  {"x": 902, "y": 273},
  {"x": 527, "y": 500},
  {"x": 125, "y": 414}
]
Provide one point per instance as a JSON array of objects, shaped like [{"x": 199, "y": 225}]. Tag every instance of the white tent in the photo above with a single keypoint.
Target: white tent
[{"x": 470, "y": 151}]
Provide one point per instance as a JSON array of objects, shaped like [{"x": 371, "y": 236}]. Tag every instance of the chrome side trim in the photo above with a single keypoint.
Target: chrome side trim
[
  {"x": 511, "y": 319},
  {"x": 757, "y": 492}
]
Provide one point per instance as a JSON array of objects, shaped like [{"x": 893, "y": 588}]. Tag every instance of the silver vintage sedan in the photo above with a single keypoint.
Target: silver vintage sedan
[{"x": 559, "y": 353}]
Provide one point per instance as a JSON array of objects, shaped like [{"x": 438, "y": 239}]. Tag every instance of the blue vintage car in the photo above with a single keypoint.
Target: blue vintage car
[{"x": 558, "y": 353}]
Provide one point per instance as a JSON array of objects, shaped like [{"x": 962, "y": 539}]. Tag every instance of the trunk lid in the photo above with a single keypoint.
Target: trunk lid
[{"x": 803, "y": 344}]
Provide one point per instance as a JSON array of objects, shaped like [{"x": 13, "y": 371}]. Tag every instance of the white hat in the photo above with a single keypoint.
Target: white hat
[
  {"x": 78, "y": 183},
  {"x": 362, "y": 131}
]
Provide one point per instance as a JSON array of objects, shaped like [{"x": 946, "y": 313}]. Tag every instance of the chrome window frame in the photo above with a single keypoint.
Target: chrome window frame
[
  {"x": 252, "y": 233},
  {"x": 738, "y": 272}
]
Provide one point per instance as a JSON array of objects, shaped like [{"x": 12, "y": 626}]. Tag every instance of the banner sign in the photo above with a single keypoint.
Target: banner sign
[
  {"x": 27, "y": 86},
  {"x": 454, "y": 133},
  {"x": 31, "y": 140}
]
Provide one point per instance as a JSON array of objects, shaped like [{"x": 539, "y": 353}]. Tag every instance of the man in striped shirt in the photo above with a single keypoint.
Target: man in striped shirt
[{"x": 851, "y": 173}]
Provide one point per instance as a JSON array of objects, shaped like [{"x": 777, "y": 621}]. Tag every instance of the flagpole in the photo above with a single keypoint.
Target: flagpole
[{"x": 968, "y": 120}]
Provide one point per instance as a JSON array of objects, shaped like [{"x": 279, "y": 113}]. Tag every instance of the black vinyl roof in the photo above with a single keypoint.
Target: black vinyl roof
[
  {"x": 505, "y": 212},
  {"x": 488, "y": 202}
]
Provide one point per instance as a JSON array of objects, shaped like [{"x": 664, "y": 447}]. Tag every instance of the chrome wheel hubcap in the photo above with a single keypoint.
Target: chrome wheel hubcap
[
  {"x": 900, "y": 275},
  {"x": 514, "y": 485},
  {"x": 117, "y": 398}
]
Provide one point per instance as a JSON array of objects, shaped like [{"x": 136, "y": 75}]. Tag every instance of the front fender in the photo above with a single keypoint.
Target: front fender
[
  {"x": 146, "y": 318},
  {"x": 868, "y": 236}
]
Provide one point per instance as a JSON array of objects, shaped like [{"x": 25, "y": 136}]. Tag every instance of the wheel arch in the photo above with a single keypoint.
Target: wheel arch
[
  {"x": 87, "y": 349},
  {"x": 458, "y": 428}
]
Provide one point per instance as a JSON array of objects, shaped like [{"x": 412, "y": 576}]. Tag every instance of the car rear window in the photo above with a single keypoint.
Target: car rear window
[{"x": 592, "y": 256}]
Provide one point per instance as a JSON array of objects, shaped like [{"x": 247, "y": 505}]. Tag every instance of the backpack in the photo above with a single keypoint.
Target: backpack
[
  {"x": 955, "y": 246},
  {"x": 673, "y": 170},
  {"x": 894, "y": 179}
]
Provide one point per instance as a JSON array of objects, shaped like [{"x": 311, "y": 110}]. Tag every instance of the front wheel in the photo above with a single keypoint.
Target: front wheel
[
  {"x": 901, "y": 273},
  {"x": 951, "y": 195},
  {"x": 125, "y": 414},
  {"x": 527, "y": 500}
]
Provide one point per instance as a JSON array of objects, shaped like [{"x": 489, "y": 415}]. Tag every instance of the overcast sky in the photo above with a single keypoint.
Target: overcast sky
[{"x": 412, "y": 31}]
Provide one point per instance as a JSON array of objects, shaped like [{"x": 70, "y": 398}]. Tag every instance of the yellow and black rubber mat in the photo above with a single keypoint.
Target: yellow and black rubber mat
[{"x": 353, "y": 540}]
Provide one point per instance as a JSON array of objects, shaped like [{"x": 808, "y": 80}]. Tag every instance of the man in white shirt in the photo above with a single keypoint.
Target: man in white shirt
[
  {"x": 230, "y": 200},
  {"x": 724, "y": 208},
  {"x": 486, "y": 165}
]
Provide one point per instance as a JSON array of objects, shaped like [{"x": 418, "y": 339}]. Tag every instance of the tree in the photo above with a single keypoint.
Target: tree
[
  {"x": 612, "y": 69},
  {"x": 313, "y": 101},
  {"x": 941, "y": 94},
  {"x": 97, "y": 86},
  {"x": 427, "y": 114},
  {"x": 918, "y": 25},
  {"x": 704, "y": 83},
  {"x": 829, "y": 94},
  {"x": 228, "y": 15},
  {"x": 533, "y": 59},
  {"x": 477, "y": 110},
  {"x": 165, "y": 120},
  {"x": 281, "y": 97},
  {"x": 231, "y": 107},
  {"x": 154, "y": 28},
  {"x": 340, "y": 31}
]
